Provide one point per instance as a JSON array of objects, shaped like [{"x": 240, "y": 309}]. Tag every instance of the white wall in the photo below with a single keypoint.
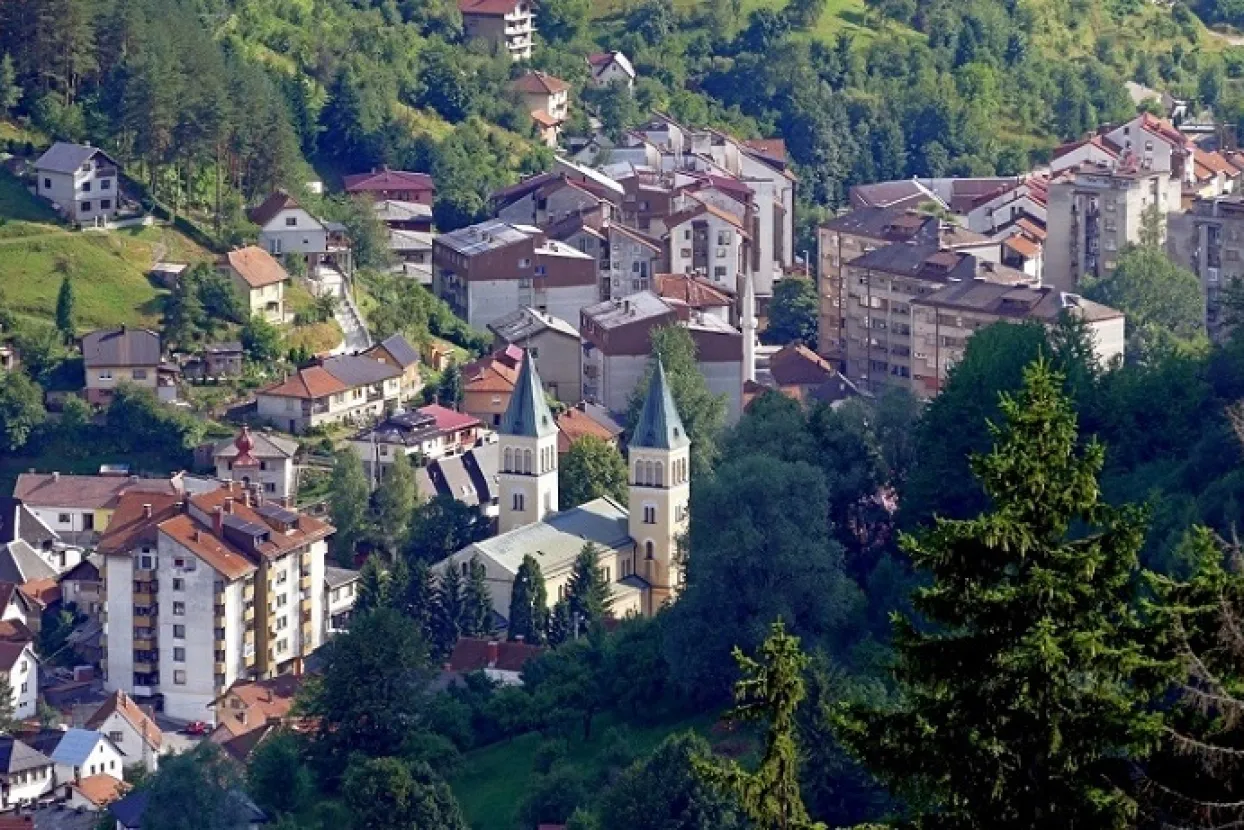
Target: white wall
[
  {"x": 37, "y": 782},
  {"x": 188, "y": 700},
  {"x": 1108, "y": 339},
  {"x": 103, "y": 760},
  {"x": 68, "y": 191},
  {"x": 119, "y": 623},
  {"x": 275, "y": 474},
  {"x": 129, "y": 741},
  {"x": 25, "y": 682},
  {"x": 305, "y": 236}
]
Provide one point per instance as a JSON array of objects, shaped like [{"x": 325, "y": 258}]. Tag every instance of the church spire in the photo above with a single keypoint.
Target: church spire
[
  {"x": 660, "y": 426},
  {"x": 528, "y": 413}
]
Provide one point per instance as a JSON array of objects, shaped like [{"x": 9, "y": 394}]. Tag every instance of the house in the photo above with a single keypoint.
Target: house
[
  {"x": 470, "y": 478},
  {"x": 637, "y": 543},
  {"x": 340, "y": 592},
  {"x": 20, "y": 667},
  {"x": 574, "y": 423},
  {"x": 617, "y": 342},
  {"x": 501, "y": 661},
  {"x": 551, "y": 342},
  {"x": 259, "y": 279},
  {"x": 80, "y": 753},
  {"x": 422, "y": 435},
  {"x": 94, "y": 792},
  {"x": 395, "y": 350},
  {"x": 82, "y": 181},
  {"x": 546, "y": 199},
  {"x": 944, "y": 320},
  {"x": 488, "y": 270},
  {"x": 506, "y": 24},
  {"x": 83, "y": 586},
  {"x": 802, "y": 374},
  {"x": 80, "y": 507},
  {"x": 706, "y": 240},
  {"x": 131, "y": 728},
  {"x": 286, "y": 227},
  {"x": 129, "y": 811},
  {"x": 413, "y": 252},
  {"x": 337, "y": 390},
  {"x": 111, "y": 357},
  {"x": 19, "y": 616},
  {"x": 247, "y": 711},
  {"x": 207, "y": 590},
  {"x": 547, "y": 99},
  {"x": 383, "y": 185},
  {"x": 397, "y": 215},
  {"x": 488, "y": 382},
  {"x": 696, "y": 293},
  {"x": 220, "y": 360},
  {"x": 610, "y": 67},
  {"x": 626, "y": 258},
  {"x": 26, "y": 774},
  {"x": 261, "y": 459}
]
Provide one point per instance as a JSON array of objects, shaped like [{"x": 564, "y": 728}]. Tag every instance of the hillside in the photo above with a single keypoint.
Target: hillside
[{"x": 109, "y": 270}]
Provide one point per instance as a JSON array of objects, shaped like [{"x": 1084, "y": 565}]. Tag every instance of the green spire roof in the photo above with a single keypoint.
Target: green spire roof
[
  {"x": 659, "y": 426},
  {"x": 528, "y": 414}
]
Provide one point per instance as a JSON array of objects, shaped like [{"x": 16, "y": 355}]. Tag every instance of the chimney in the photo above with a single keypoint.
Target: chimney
[
  {"x": 55, "y": 476},
  {"x": 195, "y": 536},
  {"x": 146, "y": 511},
  {"x": 133, "y": 479},
  {"x": 228, "y": 504},
  {"x": 494, "y": 652},
  {"x": 218, "y": 520}
]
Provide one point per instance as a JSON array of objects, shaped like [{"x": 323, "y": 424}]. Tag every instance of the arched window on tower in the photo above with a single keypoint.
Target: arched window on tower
[
  {"x": 527, "y": 462},
  {"x": 659, "y": 480},
  {"x": 508, "y": 463},
  {"x": 649, "y": 550},
  {"x": 639, "y": 466}
]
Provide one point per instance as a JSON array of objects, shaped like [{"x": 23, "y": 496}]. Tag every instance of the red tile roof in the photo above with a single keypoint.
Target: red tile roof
[
  {"x": 9, "y": 652},
  {"x": 448, "y": 420},
  {"x": 219, "y": 555},
  {"x": 270, "y": 207},
  {"x": 1023, "y": 246},
  {"x": 100, "y": 789},
  {"x": 691, "y": 290},
  {"x": 123, "y": 705},
  {"x": 487, "y": 8},
  {"x": 544, "y": 119},
  {"x": 308, "y": 384},
  {"x": 386, "y": 179},
  {"x": 797, "y": 365},
  {"x": 574, "y": 424},
  {"x": 56, "y": 490},
  {"x": 130, "y": 526},
  {"x": 44, "y": 591},
  {"x": 774, "y": 148},
  {"x": 255, "y": 266},
  {"x": 539, "y": 83},
  {"x": 470, "y": 655}
]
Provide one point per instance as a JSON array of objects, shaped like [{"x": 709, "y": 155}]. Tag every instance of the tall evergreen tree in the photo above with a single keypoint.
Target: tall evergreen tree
[
  {"x": 396, "y": 499},
  {"x": 449, "y": 609},
  {"x": 476, "y": 620},
  {"x": 371, "y": 590},
  {"x": 10, "y": 91},
  {"x": 348, "y": 497},
  {"x": 770, "y": 692},
  {"x": 561, "y": 624},
  {"x": 1029, "y": 684},
  {"x": 419, "y": 603},
  {"x": 64, "y": 310},
  {"x": 529, "y": 604},
  {"x": 8, "y": 713},
  {"x": 587, "y": 591},
  {"x": 450, "y": 390}
]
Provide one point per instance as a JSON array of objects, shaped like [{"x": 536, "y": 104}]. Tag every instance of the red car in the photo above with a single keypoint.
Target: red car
[{"x": 197, "y": 727}]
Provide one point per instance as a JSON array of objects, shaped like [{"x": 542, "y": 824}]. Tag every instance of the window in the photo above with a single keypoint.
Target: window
[
  {"x": 86, "y": 187},
  {"x": 146, "y": 562},
  {"x": 524, "y": 263},
  {"x": 179, "y": 609},
  {"x": 25, "y": 687},
  {"x": 686, "y": 234},
  {"x": 179, "y": 632},
  {"x": 64, "y": 518},
  {"x": 179, "y": 584},
  {"x": 179, "y": 655},
  {"x": 518, "y": 502},
  {"x": 649, "y": 552},
  {"x": 105, "y": 374},
  {"x": 291, "y": 221},
  {"x": 723, "y": 237},
  {"x": 179, "y": 677},
  {"x": 685, "y": 253},
  {"x": 721, "y": 253},
  {"x": 650, "y": 514},
  {"x": 105, "y": 204},
  {"x": 115, "y": 737},
  {"x": 86, "y": 207},
  {"x": 719, "y": 272},
  {"x": 105, "y": 184},
  {"x": 269, "y": 487},
  {"x": 47, "y": 183}
]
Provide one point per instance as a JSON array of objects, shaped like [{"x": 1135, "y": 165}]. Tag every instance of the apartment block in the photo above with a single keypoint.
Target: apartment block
[
  {"x": 208, "y": 589},
  {"x": 1209, "y": 240},
  {"x": 506, "y": 24}
]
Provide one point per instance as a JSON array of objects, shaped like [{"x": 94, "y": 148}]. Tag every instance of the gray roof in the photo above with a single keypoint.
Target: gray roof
[
  {"x": 17, "y": 521},
  {"x": 409, "y": 429},
  {"x": 470, "y": 478},
  {"x": 225, "y": 347},
  {"x": 601, "y": 415},
  {"x": 63, "y": 157},
  {"x": 76, "y": 746},
  {"x": 639, "y": 306},
  {"x": 266, "y": 446},
  {"x": 659, "y": 425},
  {"x": 336, "y": 577},
  {"x": 357, "y": 370},
  {"x": 16, "y": 756},
  {"x": 398, "y": 346},
  {"x": 394, "y": 210},
  {"x": 921, "y": 261},
  {"x": 486, "y": 236},
  {"x": 526, "y": 322},
  {"x": 556, "y": 541},
  {"x": 528, "y": 413},
  {"x": 20, "y": 563},
  {"x": 404, "y": 240},
  {"x": 121, "y": 347},
  {"x": 452, "y": 473}
]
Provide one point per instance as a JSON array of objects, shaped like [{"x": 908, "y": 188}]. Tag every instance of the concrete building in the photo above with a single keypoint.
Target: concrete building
[
  {"x": 1095, "y": 211},
  {"x": 696, "y": 293},
  {"x": 610, "y": 67},
  {"x": 259, "y": 459},
  {"x": 1209, "y": 240},
  {"x": 487, "y": 384},
  {"x": 111, "y": 357},
  {"x": 206, "y": 590},
  {"x": 547, "y": 99},
  {"x": 338, "y": 390},
  {"x": 488, "y": 270},
  {"x": 259, "y": 279},
  {"x": 422, "y": 435},
  {"x": 81, "y": 181},
  {"x": 384, "y": 184},
  {"x": 945, "y": 320},
  {"x": 131, "y": 728},
  {"x": 395, "y": 350},
  {"x": 340, "y": 592},
  {"x": 80, "y": 508},
  {"x": 506, "y": 24},
  {"x": 551, "y": 342},
  {"x": 709, "y": 241}
]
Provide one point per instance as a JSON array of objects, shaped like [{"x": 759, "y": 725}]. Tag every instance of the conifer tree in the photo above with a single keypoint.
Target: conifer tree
[
  {"x": 449, "y": 609},
  {"x": 64, "y": 310},
  {"x": 476, "y": 620},
  {"x": 349, "y": 495},
  {"x": 396, "y": 499},
  {"x": 419, "y": 603},
  {"x": 561, "y": 624},
  {"x": 371, "y": 590},
  {"x": 1029, "y": 682},
  {"x": 770, "y": 692},
  {"x": 10, "y": 90},
  {"x": 587, "y": 591},
  {"x": 8, "y": 712},
  {"x": 529, "y": 604}
]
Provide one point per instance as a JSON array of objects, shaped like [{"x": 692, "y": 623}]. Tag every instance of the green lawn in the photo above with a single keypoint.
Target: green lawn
[
  {"x": 840, "y": 15},
  {"x": 491, "y": 785}
]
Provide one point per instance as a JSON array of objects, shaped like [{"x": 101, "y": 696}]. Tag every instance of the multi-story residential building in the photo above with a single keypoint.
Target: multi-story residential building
[
  {"x": 340, "y": 589},
  {"x": 696, "y": 293},
  {"x": 1153, "y": 144},
  {"x": 206, "y": 590},
  {"x": 79, "y": 508},
  {"x": 708, "y": 241},
  {"x": 880, "y": 288},
  {"x": 617, "y": 343},
  {"x": 488, "y": 270},
  {"x": 547, "y": 99},
  {"x": 626, "y": 259},
  {"x": 507, "y": 24},
  {"x": 551, "y": 342},
  {"x": 111, "y": 357},
  {"x": 1209, "y": 240},
  {"x": 422, "y": 435},
  {"x": 259, "y": 459},
  {"x": 82, "y": 181},
  {"x": 395, "y": 350},
  {"x": 842, "y": 240},
  {"x": 259, "y": 279},
  {"x": 1095, "y": 211},
  {"x": 20, "y": 667},
  {"x": 342, "y": 389},
  {"x": 397, "y": 185},
  {"x": 944, "y": 321},
  {"x": 549, "y": 198},
  {"x": 286, "y": 227}
]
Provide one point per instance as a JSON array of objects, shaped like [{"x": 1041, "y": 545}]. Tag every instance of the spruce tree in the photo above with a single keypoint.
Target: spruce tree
[
  {"x": 587, "y": 590},
  {"x": 10, "y": 90},
  {"x": 476, "y": 602},
  {"x": 371, "y": 590},
  {"x": 419, "y": 603},
  {"x": 770, "y": 692},
  {"x": 348, "y": 500},
  {"x": 1026, "y": 683},
  {"x": 529, "y": 611},
  {"x": 449, "y": 609},
  {"x": 396, "y": 499},
  {"x": 64, "y": 310},
  {"x": 561, "y": 624}
]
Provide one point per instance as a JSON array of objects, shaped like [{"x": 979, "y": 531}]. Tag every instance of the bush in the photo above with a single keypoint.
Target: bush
[{"x": 549, "y": 753}]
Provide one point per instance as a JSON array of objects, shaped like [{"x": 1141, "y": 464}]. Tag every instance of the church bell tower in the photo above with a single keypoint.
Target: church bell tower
[{"x": 528, "y": 454}]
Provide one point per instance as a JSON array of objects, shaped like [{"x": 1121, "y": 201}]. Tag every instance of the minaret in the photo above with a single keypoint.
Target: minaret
[
  {"x": 528, "y": 450},
  {"x": 660, "y": 476},
  {"x": 747, "y": 322}
]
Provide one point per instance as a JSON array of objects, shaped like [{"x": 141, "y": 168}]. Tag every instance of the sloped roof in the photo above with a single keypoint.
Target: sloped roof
[
  {"x": 528, "y": 413},
  {"x": 255, "y": 266},
  {"x": 60, "y": 490},
  {"x": 557, "y": 540},
  {"x": 122, "y": 704},
  {"x": 130, "y": 526},
  {"x": 487, "y": 8},
  {"x": 448, "y": 420},
  {"x": 264, "y": 445},
  {"x": 691, "y": 290},
  {"x": 386, "y": 179},
  {"x": 307, "y": 384},
  {"x": 599, "y": 61},
  {"x": 526, "y": 322},
  {"x": 471, "y": 654},
  {"x": 399, "y": 349},
  {"x": 573, "y": 424},
  {"x": 216, "y": 553},
  {"x": 100, "y": 790},
  {"x": 538, "y": 83},
  {"x": 797, "y": 365},
  {"x": 16, "y": 756},
  {"x": 22, "y": 564},
  {"x": 272, "y": 206},
  {"x": 10, "y": 652},
  {"x": 121, "y": 347},
  {"x": 659, "y": 426},
  {"x": 76, "y": 746},
  {"x": 66, "y": 157},
  {"x": 359, "y": 370}
]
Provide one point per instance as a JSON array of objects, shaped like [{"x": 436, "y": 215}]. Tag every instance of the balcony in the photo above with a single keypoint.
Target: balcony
[
  {"x": 305, "y": 559},
  {"x": 146, "y": 666},
  {"x": 145, "y": 597},
  {"x": 249, "y": 636},
  {"x": 146, "y": 643},
  {"x": 219, "y": 668},
  {"x": 145, "y": 621},
  {"x": 249, "y": 614},
  {"x": 306, "y": 604},
  {"x": 144, "y": 575},
  {"x": 248, "y": 590},
  {"x": 305, "y": 582}
]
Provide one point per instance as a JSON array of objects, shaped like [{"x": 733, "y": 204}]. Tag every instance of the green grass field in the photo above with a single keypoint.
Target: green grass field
[
  {"x": 493, "y": 780},
  {"x": 840, "y": 15}
]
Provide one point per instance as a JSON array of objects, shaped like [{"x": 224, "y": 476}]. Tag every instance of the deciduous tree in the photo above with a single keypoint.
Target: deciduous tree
[
  {"x": 592, "y": 468},
  {"x": 21, "y": 409},
  {"x": 793, "y": 313}
]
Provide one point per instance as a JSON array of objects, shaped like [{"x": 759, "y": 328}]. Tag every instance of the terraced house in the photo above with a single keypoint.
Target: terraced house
[
  {"x": 343, "y": 389},
  {"x": 205, "y": 590}
]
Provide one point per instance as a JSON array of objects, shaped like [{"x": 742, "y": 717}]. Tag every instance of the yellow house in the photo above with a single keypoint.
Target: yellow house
[
  {"x": 259, "y": 278},
  {"x": 79, "y": 508}
]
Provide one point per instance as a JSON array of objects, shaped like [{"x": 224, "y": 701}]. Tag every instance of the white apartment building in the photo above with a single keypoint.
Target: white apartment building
[
  {"x": 81, "y": 180},
  {"x": 206, "y": 590}
]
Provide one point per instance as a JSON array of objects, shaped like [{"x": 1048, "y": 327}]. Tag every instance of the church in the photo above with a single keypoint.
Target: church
[{"x": 637, "y": 541}]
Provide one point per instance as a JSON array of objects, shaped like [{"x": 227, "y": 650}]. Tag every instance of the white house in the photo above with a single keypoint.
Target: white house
[
  {"x": 287, "y": 227},
  {"x": 130, "y": 729},
  {"x": 706, "y": 240},
  {"x": 259, "y": 458},
  {"x": 81, "y": 753},
  {"x": 25, "y": 773},
  {"x": 608, "y": 67},
  {"x": 20, "y": 667},
  {"x": 81, "y": 180}
]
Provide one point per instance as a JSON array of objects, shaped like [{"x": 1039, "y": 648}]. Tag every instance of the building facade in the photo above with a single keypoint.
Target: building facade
[
  {"x": 81, "y": 180},
  {"x": 506, "y": 24},
  {"x": 346, "y": 389},
  {"x": 259, "y": 459},
  {"x": 528, "y": 445},
  {"x": 552, "y": 343},
  {"x": 1209, "y": 240}
]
